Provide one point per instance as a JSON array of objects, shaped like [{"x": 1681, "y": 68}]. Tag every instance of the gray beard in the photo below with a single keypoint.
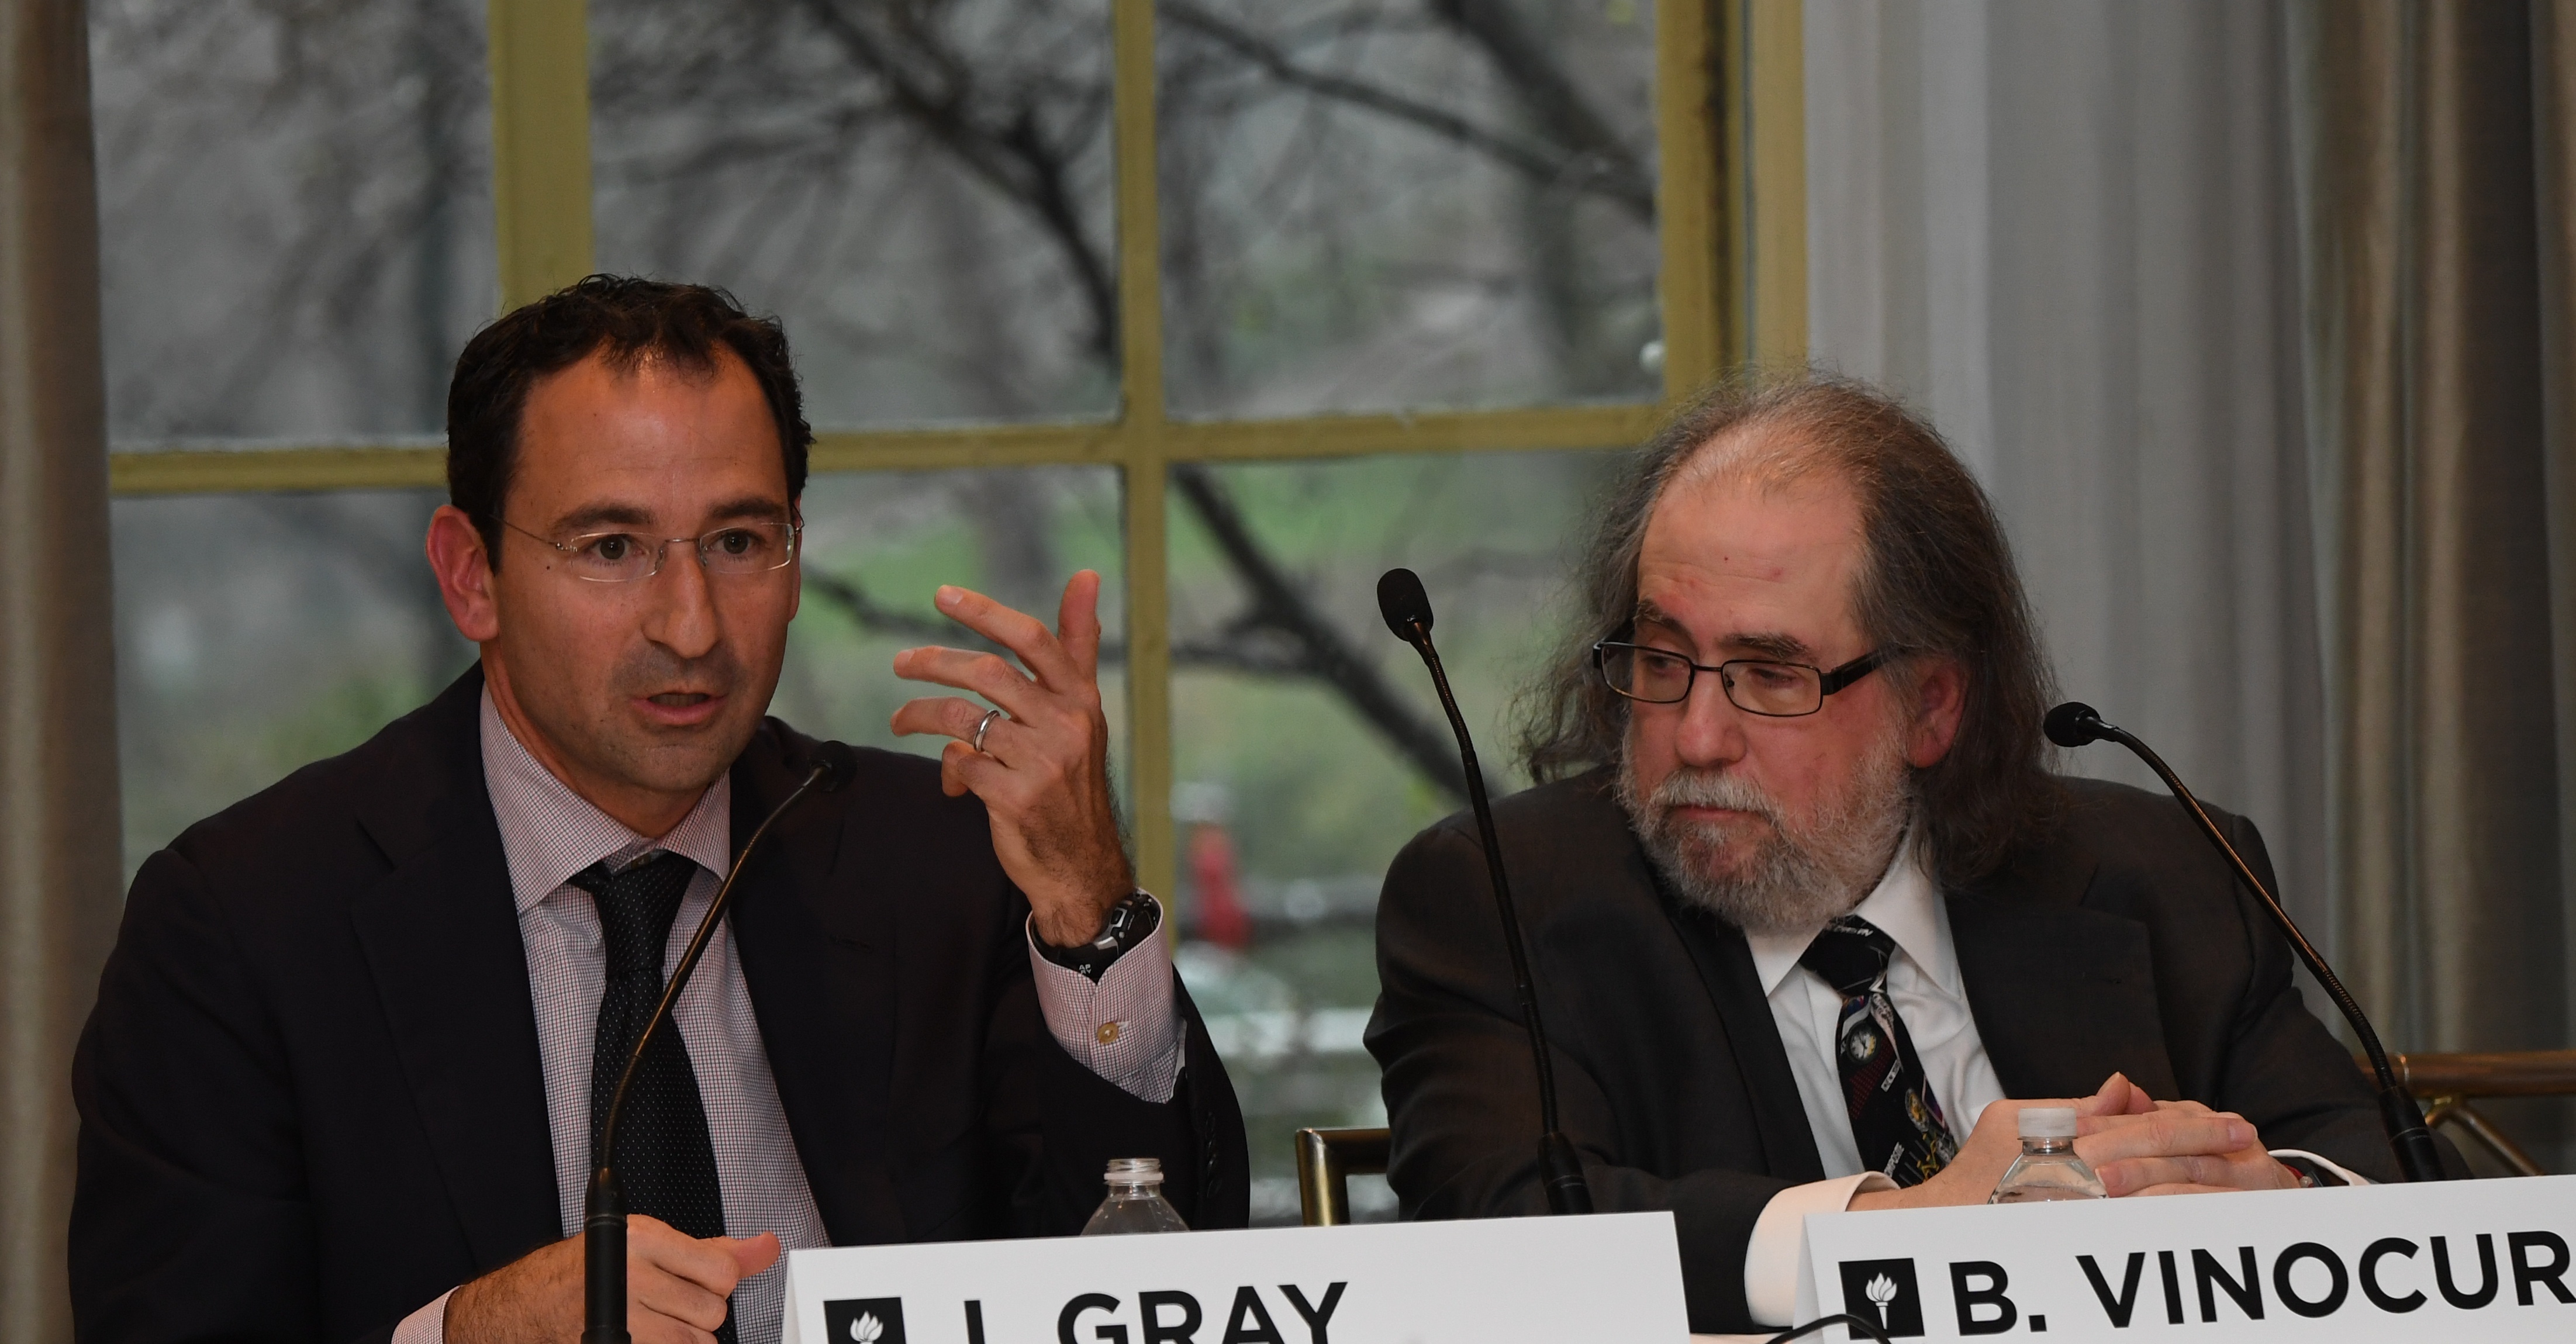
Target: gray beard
[{"x": 1804, "y": 872}]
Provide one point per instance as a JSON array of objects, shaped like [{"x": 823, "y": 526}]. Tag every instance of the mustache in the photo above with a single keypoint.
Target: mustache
[{"x": 1688, "y": 787}]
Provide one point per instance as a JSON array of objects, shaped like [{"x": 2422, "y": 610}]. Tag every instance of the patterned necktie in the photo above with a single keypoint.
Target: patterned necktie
[
  {"x": 665, "y": 1160},
  {"x": 1896, "y": 1121}
]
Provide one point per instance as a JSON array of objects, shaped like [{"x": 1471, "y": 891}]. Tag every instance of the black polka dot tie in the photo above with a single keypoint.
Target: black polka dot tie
[
  {"x": 1896, "y": 1121},
  {"x": 665, "y": 1161}
]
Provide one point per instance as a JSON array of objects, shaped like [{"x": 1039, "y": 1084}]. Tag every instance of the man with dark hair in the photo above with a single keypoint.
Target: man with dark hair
[
  {"x": 1804, "y": 904},
  {"x": 352, "y": 1054}
]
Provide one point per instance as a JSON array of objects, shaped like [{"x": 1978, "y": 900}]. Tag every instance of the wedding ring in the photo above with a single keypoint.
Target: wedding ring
[{"x": 983, "y": 725}]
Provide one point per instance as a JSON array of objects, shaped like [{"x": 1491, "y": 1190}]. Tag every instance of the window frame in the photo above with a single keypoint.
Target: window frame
[{"x": 1731, "y": 280}]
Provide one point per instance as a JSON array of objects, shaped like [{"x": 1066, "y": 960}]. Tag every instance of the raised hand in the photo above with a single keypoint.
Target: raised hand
[{"x": 1043, "y": 770}]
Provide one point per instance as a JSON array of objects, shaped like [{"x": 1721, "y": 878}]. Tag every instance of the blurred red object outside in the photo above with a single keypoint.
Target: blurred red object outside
[{"x": 1218, "y": 901}]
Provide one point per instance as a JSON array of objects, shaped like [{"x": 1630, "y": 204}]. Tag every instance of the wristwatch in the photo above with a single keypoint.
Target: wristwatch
[{"x": 1135, "y": 918}]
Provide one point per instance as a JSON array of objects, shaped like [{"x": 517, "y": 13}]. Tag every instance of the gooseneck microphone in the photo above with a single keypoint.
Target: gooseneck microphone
[
  {"x": 2072, "y": 725},
  {"x": 603, "y": 1211},
  {"x": 1407, "y": 610}
]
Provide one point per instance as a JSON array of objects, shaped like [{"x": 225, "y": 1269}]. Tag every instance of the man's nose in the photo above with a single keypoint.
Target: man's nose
[
  {"x": 1712, "y": 728},
  {"x": 682, "y": 614}
]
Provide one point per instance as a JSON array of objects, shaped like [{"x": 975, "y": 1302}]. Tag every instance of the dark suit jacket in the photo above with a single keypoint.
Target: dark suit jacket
[
  {"x": 310, "y": 1094},
  {"x": 2119, "y": 943}
]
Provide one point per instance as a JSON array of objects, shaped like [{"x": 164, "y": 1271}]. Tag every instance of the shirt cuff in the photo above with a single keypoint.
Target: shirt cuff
[
  {"x": 1772, "y": 1260},
  {"x": 1122, "y": 1026},
  {"x": 2350, "y": 1177},
  {"x": 427, "y": 1325}
]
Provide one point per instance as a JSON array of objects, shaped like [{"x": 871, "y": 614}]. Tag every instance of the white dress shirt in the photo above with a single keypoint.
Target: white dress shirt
[
  {"x": 1123, "y": 1028},
  {"x": 1923, "y": 979}
]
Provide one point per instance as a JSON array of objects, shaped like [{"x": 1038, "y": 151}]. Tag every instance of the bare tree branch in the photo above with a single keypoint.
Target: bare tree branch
[
  {"x": 1277, "y": 604},
  {"x": 844, "y": 126},
  {"x": 1582, "y": 163},
  {"x": 1250, "y": 659},
  {"x": 1553, "y": 100},
  {"x": 1013, "y": 155}
]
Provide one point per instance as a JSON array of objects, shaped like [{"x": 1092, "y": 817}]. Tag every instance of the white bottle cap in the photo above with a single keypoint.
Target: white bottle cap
[
  {"x": 2048, "y": 1122},
  {"x": 1149, "y": 1170}
]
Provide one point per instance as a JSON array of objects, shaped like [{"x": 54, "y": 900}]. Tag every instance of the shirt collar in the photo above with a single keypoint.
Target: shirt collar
[
  {"x": 1905, "y": 904},
  {"x": 549, "y": 832}
]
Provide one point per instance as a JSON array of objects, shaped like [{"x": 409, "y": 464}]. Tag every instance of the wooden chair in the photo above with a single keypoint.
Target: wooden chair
[
  {"x": 1327, "y": 1159},
  {"x": 2447, "y": 1083}
]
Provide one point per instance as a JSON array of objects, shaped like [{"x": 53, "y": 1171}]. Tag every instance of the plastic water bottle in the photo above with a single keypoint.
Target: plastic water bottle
[
  {"x": 1136, "y": 1202},
  {"x": 2048, "y": 1168}
]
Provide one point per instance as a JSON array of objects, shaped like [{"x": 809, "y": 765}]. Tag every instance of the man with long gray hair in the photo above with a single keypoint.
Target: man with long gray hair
[{"x": 1810, "y": 918}]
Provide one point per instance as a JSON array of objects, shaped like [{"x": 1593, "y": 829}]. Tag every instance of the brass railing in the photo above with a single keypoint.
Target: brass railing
[{"x": 2447, "y": 1083}]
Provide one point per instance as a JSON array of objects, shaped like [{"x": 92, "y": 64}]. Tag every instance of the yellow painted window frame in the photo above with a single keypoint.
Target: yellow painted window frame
[{"x": 1730, "y": 219}]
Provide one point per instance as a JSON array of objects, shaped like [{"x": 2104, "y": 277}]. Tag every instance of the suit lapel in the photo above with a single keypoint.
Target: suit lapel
[
  {"x": 822, "y": 985},
  {"x": 1753, "y": 1038},
  {"x": 2062, "y": 995},
  {"x": 441, "y": 938}
]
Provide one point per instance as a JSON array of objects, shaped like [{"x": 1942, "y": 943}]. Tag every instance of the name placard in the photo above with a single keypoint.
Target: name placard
[
  {"x": 2484, "y": 1260},
  {"x": 1613, "y": 1277}
]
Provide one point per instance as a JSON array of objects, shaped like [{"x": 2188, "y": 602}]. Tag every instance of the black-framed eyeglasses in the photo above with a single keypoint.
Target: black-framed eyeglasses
[
  {"x": 1762, "y": 686},
  {"x": 732, "y": 551}
]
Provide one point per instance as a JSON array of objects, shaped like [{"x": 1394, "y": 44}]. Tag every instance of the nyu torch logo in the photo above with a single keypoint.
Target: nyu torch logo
[
  {"x": 864, "y": 1320},
  {"x": 1883, "y": 1291}
]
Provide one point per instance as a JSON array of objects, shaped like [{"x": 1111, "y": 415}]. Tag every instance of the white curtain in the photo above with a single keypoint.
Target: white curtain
[{"x": 2066, "y": 229}]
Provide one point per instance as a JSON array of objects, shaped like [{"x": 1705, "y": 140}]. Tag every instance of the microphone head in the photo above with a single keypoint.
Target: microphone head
[
  {"x": 840, "y": 765},
  {"x": 1405, "y": 606},
  {"x": 2073, "y": 724}
]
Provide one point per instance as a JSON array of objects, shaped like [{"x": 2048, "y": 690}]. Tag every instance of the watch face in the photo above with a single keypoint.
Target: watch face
[{"x": 1124, "y": 920}]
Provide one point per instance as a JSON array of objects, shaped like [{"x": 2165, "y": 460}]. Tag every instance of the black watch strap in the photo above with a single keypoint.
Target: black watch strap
[{"x": 1130, "y": 922}]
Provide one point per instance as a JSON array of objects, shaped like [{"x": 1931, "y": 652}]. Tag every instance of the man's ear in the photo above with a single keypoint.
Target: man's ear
[
  {"x": 796, "y": 515},
  {"x": 464, "y": 571},
  {"x": 1940, "y": 698}
]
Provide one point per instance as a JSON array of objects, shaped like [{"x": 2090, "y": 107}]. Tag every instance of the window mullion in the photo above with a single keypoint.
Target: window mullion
[
  {"x": 1693, "y": 257},
  {"x": 1775, "y": 75},
  {"x": 1142, "y": 450},
  {"x": 540, "y": 59}
]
